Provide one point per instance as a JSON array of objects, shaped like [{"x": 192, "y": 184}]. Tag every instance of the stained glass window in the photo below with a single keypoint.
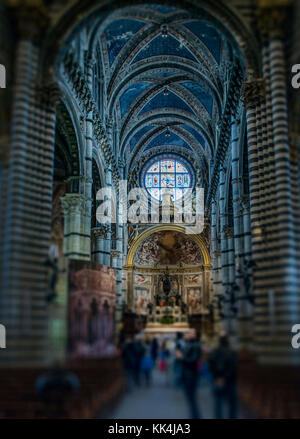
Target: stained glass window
[{"x": 167, "y": 176}]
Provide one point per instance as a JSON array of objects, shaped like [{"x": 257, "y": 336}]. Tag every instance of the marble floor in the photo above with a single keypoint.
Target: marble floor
[{"x": 162, "y": 401}]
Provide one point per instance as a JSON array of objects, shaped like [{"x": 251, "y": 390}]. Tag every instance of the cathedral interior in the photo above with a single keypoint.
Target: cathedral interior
[{"x": 171, "y": 97}]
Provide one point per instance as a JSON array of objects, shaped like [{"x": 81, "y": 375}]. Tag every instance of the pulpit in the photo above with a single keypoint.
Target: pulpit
[{"x": 92, "y": 292}]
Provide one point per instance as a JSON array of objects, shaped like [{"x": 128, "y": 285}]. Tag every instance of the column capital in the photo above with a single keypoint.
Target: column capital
[
  {"x": 245, "y": 202},
  {"x": 73, "y": 203},
  {"x": 115, "y": 253},
  {"x": 101, "y": 231},
  {"x": 253, "y": 91},
  {"x": 228, "y": 231},
  {"x": 72, "y": 178}
]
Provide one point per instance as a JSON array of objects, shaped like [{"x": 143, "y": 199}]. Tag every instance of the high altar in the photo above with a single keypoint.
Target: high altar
[{"x": 169, "y": 281}]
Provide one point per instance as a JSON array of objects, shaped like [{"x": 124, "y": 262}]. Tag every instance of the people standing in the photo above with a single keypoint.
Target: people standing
[
  {"x": 128, "y": 357},
  {"x": 154, "y": 349},
  {"x": 190, "y": 357},
  {"x": 163, "y": 360},
  {"x": 139, "y": 351},
  {"x": 223, "y": 367},
  {"x": 177, "y": 364},
  {"x": 147, "y": 364}
]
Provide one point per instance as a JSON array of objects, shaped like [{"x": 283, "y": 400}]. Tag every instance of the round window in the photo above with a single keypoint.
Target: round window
[{"x": 167, "y": 176}]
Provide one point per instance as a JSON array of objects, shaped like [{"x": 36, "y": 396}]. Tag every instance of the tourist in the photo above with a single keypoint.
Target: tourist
[
  {"x": 164, "y": 354},
  {"x": 154, "y": 349},
  {"x": 177, "y": 364},
  {"x": 190, "y": 357},
  {"x": 223, "y": 367},
  {"x": 128, "y": 356},
  {"x": 139, "y": 351},
  {"x": 147, "y": 363}
]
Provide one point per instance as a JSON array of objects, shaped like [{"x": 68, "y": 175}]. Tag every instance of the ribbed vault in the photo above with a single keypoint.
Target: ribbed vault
[
  {"x": 165, "y": 76},
  {"x": 165, "y": 79}
]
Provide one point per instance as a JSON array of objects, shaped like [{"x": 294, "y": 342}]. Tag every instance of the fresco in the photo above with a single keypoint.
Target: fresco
[
  {"x": 194, "y": 301},
  {"x": 142, "y": 301},
  {"x": 168, "y": 248},
  {"x": 142, "y": 279},
  {"x": 193, "y": 279}
]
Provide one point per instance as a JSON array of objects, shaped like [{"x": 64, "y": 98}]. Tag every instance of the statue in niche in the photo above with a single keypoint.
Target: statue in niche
[
  {"x": 169, "y": 292},
  {"x": 150, "y": 308},
  {"x": 183, "y": 308},
  {"x": 194, "y": 301},
  {"x": 167, "y": 283}
]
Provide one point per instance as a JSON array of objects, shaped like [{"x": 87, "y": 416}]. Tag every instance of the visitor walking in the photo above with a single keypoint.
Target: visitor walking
[
  {"x": 177, "y": 364},
  {"x": 147, "y": 364},
  {"x": 223, "y": 367},
  {"x": 190, "y": 357},
  {"x": 163, "y": 365},
  {"x": 154, "y": 349},
  {"x": 139, "y": 351},
  {"x": 128, "y": 357}
]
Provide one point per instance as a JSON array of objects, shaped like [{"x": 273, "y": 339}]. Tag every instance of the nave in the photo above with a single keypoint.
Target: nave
[{"x": 149, "y": 183}]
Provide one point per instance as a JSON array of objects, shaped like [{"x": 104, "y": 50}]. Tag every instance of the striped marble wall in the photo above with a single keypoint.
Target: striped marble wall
[{"x": 28, "y": 211}]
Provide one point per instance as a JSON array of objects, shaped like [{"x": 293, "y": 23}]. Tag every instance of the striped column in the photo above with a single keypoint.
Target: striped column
[
  {"x": 264, "y": 244},
  {"x": 244, "y": 315},
  {"x": 6, "y": 53},
  {"x": 236, "y": 189},
  {"x": 277, "y": 284},
  {"x": 275, "y": 281},
  {"x": 116, "y": 262},
  {"x": 225, "y": 250},
  {"x": 214, "y": 248},
  {"x": 253, "y": 93},
  {"x": 119, "y": 262},
  {"x": 23, "y": 308},
  {"x": 99, "y": 235},
  {"x": 294, "y": 113},
  {"x": 107, "y": 244},
  {"x": 215, "y": 262},
  {"x": 223, "y": 224},
  {"x": 74, "y": 208},
  {"x": 88, "y": 157},
  {"x": 229, "y": 236},
  {"x": 4, "y": 165},
  {"x": 247, "y": 312}
]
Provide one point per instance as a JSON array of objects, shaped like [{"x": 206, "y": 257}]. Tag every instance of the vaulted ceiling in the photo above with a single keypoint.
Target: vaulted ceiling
[{"x": 165, "y": 80}]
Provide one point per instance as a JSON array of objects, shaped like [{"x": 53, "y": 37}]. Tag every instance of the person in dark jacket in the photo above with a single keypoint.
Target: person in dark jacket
[
  {"x": 223, "y": 367},
  {"x": 190, "y": 356},
  {"x": 154, "y": 349},
  {"x": 129, "y": 361},
  {"x": 139, "y": 352},
  {"x": 54, "y": 389},
  {"x": 177, "y": 365}
]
